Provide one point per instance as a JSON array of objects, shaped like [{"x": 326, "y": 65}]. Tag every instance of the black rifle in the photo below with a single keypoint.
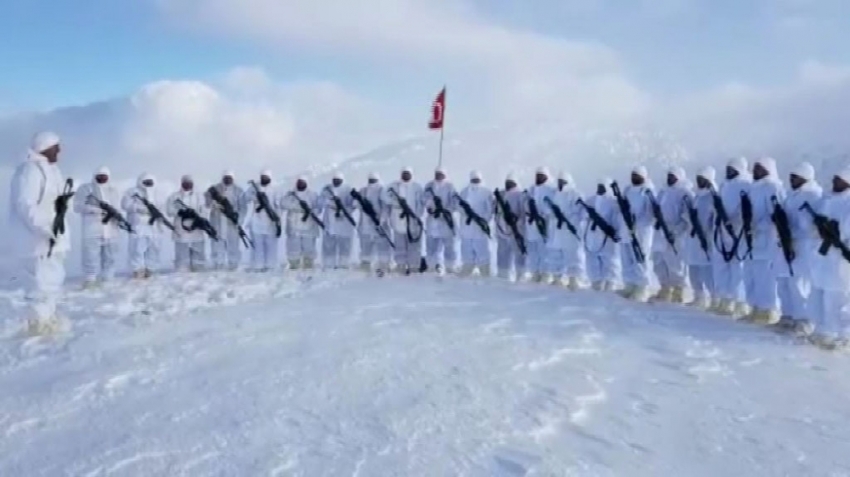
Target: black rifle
[
  {"x": 369, "y": 210},
  {"x": 829, "y": 232},
  {"x": 747, "y": 216},
  {"x": 60, "y": 207},
  {"x": 722, "y": 220},
  {"x": 534, "y": 216},
  {"x": 230, "y": 212},
  {"x": 597, "y": 222},
  {"x": 439, "y": 210},
  {"x": 155, "y": 213},
  {"x": 660, "y": 223},
  {"x": 407, "y": 214},
  {"x": 629, "y": 221},
  {"x": 783, "y": 229},
  {"x": 197, "y": 222},
  {"x": 511, "y": 219},
  {"x": 340, "y": 208},
  {"x": 306, "y": 211},
  {"x": 110, "y": 213},
  {"x": 560, "y": 217},
  {"x": 263, "y": 203},
  {"x": 472, "y": 216},
  {"x": 696, "y": 226}
]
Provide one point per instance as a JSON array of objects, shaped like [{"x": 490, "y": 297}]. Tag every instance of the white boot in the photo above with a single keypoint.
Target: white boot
[
  {"x": 596, "y": 286},
  {"x": 740, "y": 309},
  {"x": 465, "y": 270},
  {"x": 803, "y": 327},
  {"x": 664, "y": 294},
  {"x": 484, "y": 271},
  {"x": 607, "y": 285},
  {"x": 767, "y": 317},
  {"x": 47, "y": 326},
  {"x": 627, "y": 291},
  {"x": 89, "y": 284},
  {"x": 726, "y": 307},
  {"x": 308, "y": 264},
  {"x": 700, "y": 301},
  {"x": 365, "y": 265},
  {"x": 294, "y": 264},
  {"x": 678, "y": 295},
  {"x": 573, "y": 284},
  {"x": 640, "y": 294}
]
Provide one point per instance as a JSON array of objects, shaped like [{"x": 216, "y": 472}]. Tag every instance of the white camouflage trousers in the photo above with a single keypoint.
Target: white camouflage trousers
[
  {"x": 729, "y": 279},
  {"x": 407, "y": 253},
  {"x": 567, "y": 262},
  {"x": 669, "y": 268},
  {"x": 144, "y": 253},
  {"x": 300, "y": 247},
  {"x": 441, "y": 250},
  {"x": 336, "y": 251},
  {"x": 537, "y": 255},
  {"x": 99, "y": 259},
  {"x": 190, "y": 256},
  {"x": 42, "y": 280},
  {"x": 830, "y": 310},
  {"x": 702, "y": 280},
  {"x": 634, "y": 272},
  {"x": 508, "y": 256},
  {"x": 264, "y": 256},
  {"x": 760, "y": 285},
  {"x": 475, "y": 252},
  {"x": 226, "y": 253},
  {"x": 793, "y": 296},
  {"x": 603, "y": 267},
  {"x": 374, "y": 249}
]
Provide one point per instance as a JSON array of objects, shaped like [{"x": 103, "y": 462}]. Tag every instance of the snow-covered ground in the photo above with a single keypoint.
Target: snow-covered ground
[{"x": 347, "y": 374}]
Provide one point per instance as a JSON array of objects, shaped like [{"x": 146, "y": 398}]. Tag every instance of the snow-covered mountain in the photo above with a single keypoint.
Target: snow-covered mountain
[
  {"x": 344, "y": 374},
  {"x": 588, "y": 154}
]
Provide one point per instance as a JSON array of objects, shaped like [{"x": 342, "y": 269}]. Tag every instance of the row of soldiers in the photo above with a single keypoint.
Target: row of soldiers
[{"x": 748, "y": 248}]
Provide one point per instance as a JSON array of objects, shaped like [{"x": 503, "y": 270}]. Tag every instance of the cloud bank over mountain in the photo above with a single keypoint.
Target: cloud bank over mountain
[{"x": 540, "y": 92}]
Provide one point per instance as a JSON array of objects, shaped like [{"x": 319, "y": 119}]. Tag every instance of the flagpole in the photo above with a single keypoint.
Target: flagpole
[
  {"x": 442, "y": 127},
  {"x": 440, "y": 157}
]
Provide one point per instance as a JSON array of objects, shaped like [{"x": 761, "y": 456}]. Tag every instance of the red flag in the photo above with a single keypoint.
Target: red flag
[{"x": 437, "y": 110}]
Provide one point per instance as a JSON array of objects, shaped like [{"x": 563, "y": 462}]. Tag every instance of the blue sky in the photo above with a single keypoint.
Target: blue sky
[
  {"x": 304, "y": 81},
  {"x": 65, "y": 52}
]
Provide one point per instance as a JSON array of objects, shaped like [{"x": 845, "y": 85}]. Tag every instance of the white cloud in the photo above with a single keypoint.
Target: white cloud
[
  {"x": 248, "y": 121},
  {"x": 172, "y": 127},
  {"x": 519, "y": 71},
  {"x": 806, "y": 118}
]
